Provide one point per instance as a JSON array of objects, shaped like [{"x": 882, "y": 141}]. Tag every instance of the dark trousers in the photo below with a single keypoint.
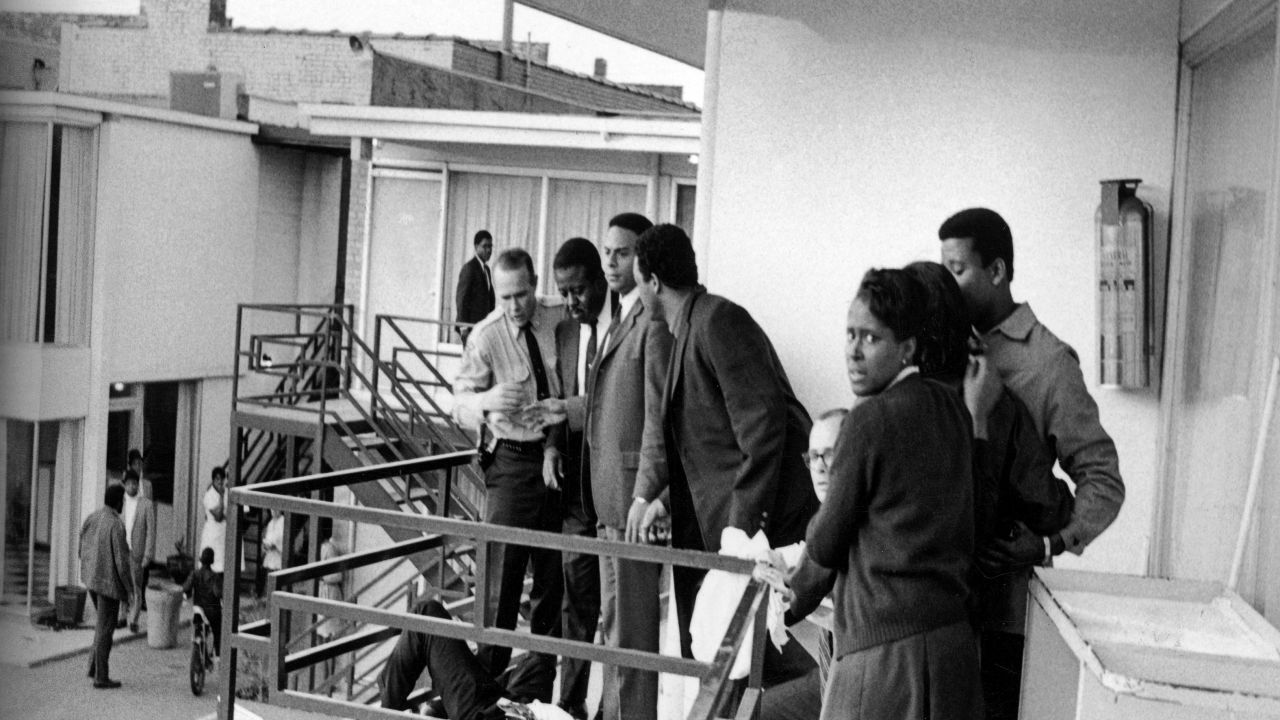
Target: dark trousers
[
  {"x": 108, "y": 608},
  {"x": 580, "y": 609},
  {"x": 517, "y": 497},
  {"x": 631, "y": 613},
  {"x": 1001, "y": 673},
  {"x": 797, "y": 699},
  {"x": 215, "y": 625},
  {"x": 465, "y": 685}
]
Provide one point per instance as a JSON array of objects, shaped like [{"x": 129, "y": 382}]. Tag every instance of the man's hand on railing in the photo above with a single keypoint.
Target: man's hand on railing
[
  {"x": 544, "y": 413},
  {"x": 772, "y": 570},
  {"x": 552, "y": 470},
  {"x": 648, "y": 522},
  {"x": 503, "y": 397}
]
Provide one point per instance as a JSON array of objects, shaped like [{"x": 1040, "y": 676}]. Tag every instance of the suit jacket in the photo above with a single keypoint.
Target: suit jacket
[
  {"x": 621, "y": 414},
  {"x": 143, "y": 547},
  {"x": 735, "y": 429},
  {"x": 104, "y": 555},
  {"x": 474, "y": 296}
]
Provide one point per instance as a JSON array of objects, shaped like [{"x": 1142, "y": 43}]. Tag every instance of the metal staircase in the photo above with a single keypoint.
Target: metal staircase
[{"x": 336, "y": 403}]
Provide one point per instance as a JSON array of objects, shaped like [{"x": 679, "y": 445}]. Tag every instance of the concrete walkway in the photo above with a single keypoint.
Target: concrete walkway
[{"x": 43, "y": 677}]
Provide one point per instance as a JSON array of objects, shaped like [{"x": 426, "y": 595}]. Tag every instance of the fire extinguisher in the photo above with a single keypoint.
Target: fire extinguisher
[{"x": 1124, "y": 285}]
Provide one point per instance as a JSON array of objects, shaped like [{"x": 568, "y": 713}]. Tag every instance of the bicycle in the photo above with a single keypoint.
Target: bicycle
[{"x": 201, "y": 649}]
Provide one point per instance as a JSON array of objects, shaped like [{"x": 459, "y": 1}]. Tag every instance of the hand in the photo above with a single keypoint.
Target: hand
[
  {"x": 503, "y": 398},
  {"x": 540, "y": 414},
  {"x": 552, "y": 471},
  {"x": 655, "y": 526},
  {"x": 1023, "y": 549},
  {"x": 982, "y": 388},
  {"x": 772, "y": 571}
]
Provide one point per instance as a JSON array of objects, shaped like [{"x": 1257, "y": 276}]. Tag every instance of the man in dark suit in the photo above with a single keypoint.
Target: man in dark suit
[
  {"x": 474, "y": 297},
  {"x": 622, "y": 417},
  {"x": 580, "y": 280},
  {"x": 735, "y": 434}
]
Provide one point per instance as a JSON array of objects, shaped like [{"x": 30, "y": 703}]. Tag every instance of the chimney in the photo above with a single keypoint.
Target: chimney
[
  {"x": 218, "y": 19},
  {"x": 602, "y": 67}
]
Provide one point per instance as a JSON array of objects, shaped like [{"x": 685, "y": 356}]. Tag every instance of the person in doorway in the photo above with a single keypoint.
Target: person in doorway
[
  {"x": 105, "y": 569},
  {"x": 474, "y": 296},
  {"x": 140, "y": 532},
  {"x": 213, "y": 534}
]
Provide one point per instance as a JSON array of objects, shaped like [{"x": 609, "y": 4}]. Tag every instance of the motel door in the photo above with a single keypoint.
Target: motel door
[{"x": 406, "y": 217}]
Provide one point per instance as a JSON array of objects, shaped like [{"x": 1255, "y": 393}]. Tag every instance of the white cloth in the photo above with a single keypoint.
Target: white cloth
[
  {"x": 273, "y": 543},
  {"x": 719, "y": 596},
  {"x": 130, "y": 512},
  {"x": 214, "y": 533}
]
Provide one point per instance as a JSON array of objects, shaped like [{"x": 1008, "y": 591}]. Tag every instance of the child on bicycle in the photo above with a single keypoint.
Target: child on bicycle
[{"x": 204, "y": 587}]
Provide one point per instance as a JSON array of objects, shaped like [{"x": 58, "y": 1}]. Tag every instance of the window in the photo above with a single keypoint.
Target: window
[{"x": 47, "y": 178}]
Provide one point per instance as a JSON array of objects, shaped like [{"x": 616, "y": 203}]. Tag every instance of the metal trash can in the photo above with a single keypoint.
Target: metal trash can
[
  {"x": 69, "y": 604},
  {"x": 164, "y": 600}
]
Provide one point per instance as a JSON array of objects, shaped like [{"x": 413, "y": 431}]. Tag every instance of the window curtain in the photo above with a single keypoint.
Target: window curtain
[
  {"x": 75, "y": 235},
  {"x": 23, "y": 166},
  {"x": 582, "y": 208},
  {"x": 505, "y": 205}
]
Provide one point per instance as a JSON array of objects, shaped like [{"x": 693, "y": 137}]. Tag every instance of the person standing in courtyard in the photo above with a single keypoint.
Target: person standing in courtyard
[{"x": 105, "y": 570}]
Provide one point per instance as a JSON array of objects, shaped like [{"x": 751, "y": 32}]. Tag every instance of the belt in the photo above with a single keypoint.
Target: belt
[{"x": 531, "y": 447}]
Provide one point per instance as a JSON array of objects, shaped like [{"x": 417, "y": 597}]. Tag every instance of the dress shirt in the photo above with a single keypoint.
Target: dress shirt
[
  {"x": 130, "y": 512},
  {"x": 496, "y": 354},
  {"x": 603, "y": 323},
  {"x": 1044, "y": 373}
]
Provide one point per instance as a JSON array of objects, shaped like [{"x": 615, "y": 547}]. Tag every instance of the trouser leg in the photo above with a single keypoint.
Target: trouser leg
[
  {"x": 632, "y": 614},
  {"x": 580, "y": 611},
  {"x": 139, "y": 586},
  {"x": 104, "y": 635},
  {"x": 1001, "y": 673}
]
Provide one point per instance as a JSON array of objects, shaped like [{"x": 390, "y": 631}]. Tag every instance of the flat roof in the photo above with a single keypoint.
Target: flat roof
[
  {"x": 621, "y": 133},
  {"x": 18, "y": 104}
]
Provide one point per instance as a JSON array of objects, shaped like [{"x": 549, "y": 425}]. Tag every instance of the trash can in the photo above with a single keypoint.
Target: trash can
[
  {"x": 69, "y": 603},
  {"x": 163, "y": 603}
]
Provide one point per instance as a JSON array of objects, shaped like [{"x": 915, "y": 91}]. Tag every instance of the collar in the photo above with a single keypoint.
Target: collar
[
  {"x": 680, "y": 322},
  {"x": 626, "y": 302},
  {"x": 903, "y": 374},
  {"x": 1018, "y": 325},
  {"x": 534, "y": 320}
]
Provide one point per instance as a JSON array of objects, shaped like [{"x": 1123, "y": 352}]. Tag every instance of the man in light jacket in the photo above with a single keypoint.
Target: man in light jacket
[
  {"x": 105, "y": 572},
  {"x": 139, "y": 517}
]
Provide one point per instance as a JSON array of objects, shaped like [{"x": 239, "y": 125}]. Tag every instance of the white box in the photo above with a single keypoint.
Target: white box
[{"x": 1105, "y": 646}]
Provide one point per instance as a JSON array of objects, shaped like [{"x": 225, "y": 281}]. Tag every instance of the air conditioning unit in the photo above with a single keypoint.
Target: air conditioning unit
[{"x": 205, "y": 93}]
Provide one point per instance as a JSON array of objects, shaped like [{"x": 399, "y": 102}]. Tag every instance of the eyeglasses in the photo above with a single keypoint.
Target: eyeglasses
[{"x": 812, "y": 458}]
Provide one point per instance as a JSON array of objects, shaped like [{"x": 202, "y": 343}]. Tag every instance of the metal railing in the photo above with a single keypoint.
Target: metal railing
[{"x": 288, "y": 600}]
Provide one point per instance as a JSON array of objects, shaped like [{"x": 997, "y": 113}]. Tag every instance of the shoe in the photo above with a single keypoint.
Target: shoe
[
  {"x": 107, "y": 685},
  {"x": 133, "y": 627}
]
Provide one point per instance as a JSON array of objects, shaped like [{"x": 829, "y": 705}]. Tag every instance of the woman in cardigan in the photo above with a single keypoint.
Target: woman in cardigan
[
  {"x": 896, "y": 530},
  {"x": 1015, "y": 488}
]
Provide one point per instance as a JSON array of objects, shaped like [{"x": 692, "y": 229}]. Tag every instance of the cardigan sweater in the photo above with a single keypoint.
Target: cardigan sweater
[{"x": 897, "y": 525}]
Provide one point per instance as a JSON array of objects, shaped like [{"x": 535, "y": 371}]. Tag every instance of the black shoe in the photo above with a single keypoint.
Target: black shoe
[
  {"x": 121, "y": 623},
  {"x": 107, "y": 685},
  {"x": 133, "y": 627}
]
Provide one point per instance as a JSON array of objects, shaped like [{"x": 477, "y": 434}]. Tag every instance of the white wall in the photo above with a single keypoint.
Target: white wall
[
  {"x": 844, "y": 134},
  {"x": 177, "y": 208}
]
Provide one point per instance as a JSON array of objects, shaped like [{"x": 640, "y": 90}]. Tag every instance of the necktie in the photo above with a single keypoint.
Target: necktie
[
  {"x": 535, "y": 359},
  {"x": 592, "y": 348},
  {"x": 488, "y": 281}
]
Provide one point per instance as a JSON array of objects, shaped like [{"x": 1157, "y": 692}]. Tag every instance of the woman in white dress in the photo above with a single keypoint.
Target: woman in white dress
[{"x": 214, "y": 533}]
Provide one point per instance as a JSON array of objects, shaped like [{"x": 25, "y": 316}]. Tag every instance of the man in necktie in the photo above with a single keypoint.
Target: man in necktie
[
  {"x": 580, "y": 279},
  {"x": 620, "y": 416},
  {"x": 474, "y": 298},
  {"x": 505, "y": 370}
]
